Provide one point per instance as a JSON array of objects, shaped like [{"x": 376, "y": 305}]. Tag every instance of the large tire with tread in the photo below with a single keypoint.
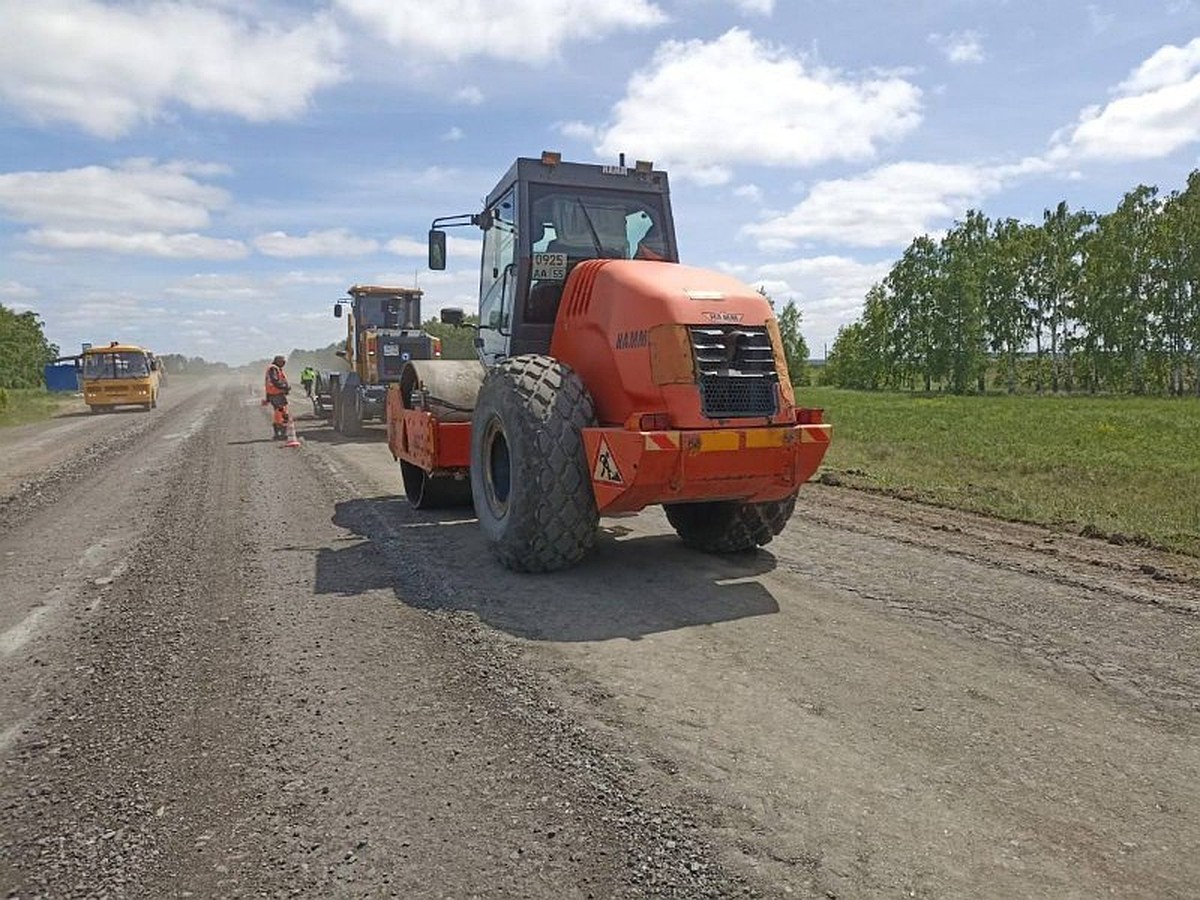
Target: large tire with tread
[
  {"x": 729, "y": 526},
  {"x": 351, "y": 405},
  {"x": 529, "y": 473},
  {"x": 425, "y": 491}
]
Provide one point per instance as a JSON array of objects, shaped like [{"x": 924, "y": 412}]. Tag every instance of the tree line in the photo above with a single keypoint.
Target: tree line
[
  {"x": 24, "y": 350},
  {"x": 1080, "y": 302}
]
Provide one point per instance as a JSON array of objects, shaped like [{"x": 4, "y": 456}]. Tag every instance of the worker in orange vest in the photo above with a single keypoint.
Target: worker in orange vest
[{"x": 277, "y": 390}]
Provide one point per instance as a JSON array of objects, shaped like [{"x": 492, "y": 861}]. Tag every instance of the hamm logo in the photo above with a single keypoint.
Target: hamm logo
[
  {"x": 722, "y": 316},
  {"x": 631, "y": 340}
]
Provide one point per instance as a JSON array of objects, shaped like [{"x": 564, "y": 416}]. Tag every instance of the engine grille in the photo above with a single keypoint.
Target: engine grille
[
  {"x": 397, "y": 349},
  {"x": 391, "y": 366},
  {"x": 736, "y": 369}
]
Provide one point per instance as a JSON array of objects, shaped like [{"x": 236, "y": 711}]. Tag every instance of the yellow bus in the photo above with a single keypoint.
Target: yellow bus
[{"x": 119, "y": 375}]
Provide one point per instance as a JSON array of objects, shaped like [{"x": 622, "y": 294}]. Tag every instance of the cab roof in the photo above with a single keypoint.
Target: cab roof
[
  {"x": 115, "y": 347},
  {"x": 646, "y": 179},
  {"x": 366, "y": 289}
]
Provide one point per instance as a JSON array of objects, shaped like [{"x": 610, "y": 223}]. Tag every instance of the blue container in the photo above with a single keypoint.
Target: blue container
[{"x": 61, "y": 378}]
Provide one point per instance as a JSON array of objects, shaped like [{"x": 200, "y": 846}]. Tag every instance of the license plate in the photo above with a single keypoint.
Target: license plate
[{"x": 550, "y": 266}]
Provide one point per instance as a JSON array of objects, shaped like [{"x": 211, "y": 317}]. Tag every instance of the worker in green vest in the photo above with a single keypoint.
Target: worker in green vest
[{"x": 308, "y": 376}]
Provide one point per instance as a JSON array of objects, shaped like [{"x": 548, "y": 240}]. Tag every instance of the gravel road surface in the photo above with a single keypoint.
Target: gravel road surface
[{"x": 234, "y": 669}]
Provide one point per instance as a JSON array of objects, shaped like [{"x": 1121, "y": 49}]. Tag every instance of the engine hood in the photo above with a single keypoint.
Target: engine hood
[{"x": 651, "y": 337}]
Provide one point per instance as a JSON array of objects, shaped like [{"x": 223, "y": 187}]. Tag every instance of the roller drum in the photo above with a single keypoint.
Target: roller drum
[{"x": 447, "y": 388}]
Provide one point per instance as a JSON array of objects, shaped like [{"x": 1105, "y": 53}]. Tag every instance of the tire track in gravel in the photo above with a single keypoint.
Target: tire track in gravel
[{"x": 1048, "y": 596}]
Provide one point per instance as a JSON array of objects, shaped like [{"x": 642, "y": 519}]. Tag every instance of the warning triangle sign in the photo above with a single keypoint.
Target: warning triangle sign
[{"x": 606, "y": 465}]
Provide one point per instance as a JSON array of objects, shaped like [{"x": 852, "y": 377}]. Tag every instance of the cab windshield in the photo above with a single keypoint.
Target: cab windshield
[
  {"x": 121, "y": 364},
  {"x": 598, "y": 224},
  {"x": 386, "y": 312},
  {"x": 569, "y": 225}
]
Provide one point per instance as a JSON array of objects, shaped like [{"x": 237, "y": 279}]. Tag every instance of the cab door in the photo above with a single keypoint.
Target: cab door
[{"x": 498, "y": 280}]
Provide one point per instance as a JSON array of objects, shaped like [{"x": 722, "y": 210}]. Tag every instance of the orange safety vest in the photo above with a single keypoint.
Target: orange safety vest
[{"x": 276, "y": 381}]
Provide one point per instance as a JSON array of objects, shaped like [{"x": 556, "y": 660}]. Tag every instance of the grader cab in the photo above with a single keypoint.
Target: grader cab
[{"x": 610, "y": 378}]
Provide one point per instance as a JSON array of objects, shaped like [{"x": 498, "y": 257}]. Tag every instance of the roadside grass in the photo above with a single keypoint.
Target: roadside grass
[
  {"x": 23, "y": 405},
  {"x": 1125, "y": 468}
]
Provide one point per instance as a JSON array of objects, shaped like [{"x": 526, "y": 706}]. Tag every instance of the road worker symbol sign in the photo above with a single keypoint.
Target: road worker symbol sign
[{"x": 606, "y": 466}]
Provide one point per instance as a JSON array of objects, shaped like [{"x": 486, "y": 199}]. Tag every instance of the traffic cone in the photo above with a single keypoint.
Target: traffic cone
[{"x": 292, "y": 440}]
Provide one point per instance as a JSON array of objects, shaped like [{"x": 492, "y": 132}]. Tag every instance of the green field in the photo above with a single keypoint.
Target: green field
[
  {"x": 19, "y": 406},
  {"x": 1123, "y": 467}
]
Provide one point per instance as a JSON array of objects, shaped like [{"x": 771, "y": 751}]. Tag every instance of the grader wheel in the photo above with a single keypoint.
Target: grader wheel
[{"x": 351, "y": 418}]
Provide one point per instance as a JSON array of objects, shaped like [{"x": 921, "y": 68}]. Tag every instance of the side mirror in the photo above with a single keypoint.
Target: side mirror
[
  {"x": 337, "y": 310},
  {"x": 437, "y": 249},
  {"x": 452, "y": 315}
]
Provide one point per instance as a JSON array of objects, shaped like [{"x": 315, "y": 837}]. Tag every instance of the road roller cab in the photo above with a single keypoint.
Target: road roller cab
[{"x": 610, "y": 378}]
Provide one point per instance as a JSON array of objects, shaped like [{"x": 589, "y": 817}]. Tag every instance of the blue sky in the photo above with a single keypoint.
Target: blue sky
[{"x": 207, "y": 177}]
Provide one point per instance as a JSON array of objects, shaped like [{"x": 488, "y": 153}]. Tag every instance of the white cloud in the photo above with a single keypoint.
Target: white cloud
[
  {"x": 332, "y": 242},
  {"x": 454, "y": 134},
  {"x": 403, "y": 246},
  {"x": 139, "y": 207},
  {"x": 758, "y": 7},
  {"x": 150, "y": 243},
  {"x": 1168, "y": 66},
  {"x": 294, "y": 278},
  {"x": 579, "y": 131},
  {"x": 523, "y": 31},
  {"x": 459, "y": 251},
  {"x": 829, "y": 291},
  {"x": 459, "y": 288},
  {"x": 750, "y": 192},
  {"x": 1155, "y": 112},
  {"x": 241, "y": 288},
  {"x": 888, "y": 206},
  {"x": 14, "y": 290},
  {"x": 812, "y": 277},
  {"x": 220, "y": 287},
  {"x": 137, "y": 194},
  {"x": 959, "y": 47},
  {"x": 114, "y": 311},
  {"x": 470, "y": 95},
  {"x": 106, "y": 68},
  {"x": 702, "y": 107}
]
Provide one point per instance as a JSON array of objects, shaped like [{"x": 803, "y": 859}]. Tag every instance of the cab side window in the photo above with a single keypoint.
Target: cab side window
[{"x": 498, "y": 275}]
